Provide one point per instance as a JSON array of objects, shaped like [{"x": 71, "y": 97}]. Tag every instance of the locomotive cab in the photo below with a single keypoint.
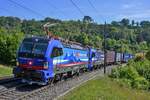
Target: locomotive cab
[{"x": 35, "y": 60}]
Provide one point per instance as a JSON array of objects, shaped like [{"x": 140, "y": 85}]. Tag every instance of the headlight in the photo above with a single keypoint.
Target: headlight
[
  {"x": 17, "y": 63},
  {"x": 45, "y": 65}
]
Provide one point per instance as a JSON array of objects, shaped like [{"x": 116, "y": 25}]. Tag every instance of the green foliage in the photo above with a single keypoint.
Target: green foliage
[
  {"x": 8, "y": 46},
  {"x": 5, "y": 71},
  {"x": 148, "y": 55},
  {"x": 143, "y": 68},
  {"x": 125, "y": 72},
  {"x": 82, "y": 38},
  {"x": 138, "y": 58},
  {"x": 140, "y": 83},
  {"x": 121, "y": 36},
  {"x": 125, "y": 22},
  {"x": 137, "y": 73},
  {"x": 124, "y": 82},
  {"x": 145, "y": 24},
  {"x": 87, "y": 19},
  {"x": 103, "y": 88}
]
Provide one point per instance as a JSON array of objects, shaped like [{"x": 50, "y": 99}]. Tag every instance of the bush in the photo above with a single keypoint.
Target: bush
[
  {"x": 124, "y": 72},
  {"x": 143, "y": 68},
  {"x": 140, "y": 83},
  {"x": 134, "y": 74},
  {"x": 128, "y": 73},
  {"x": 115, "y": 73},
  {"x": 148, "y": 55},
  {"x": 138, "y": 58},
  {"x": 8, "y": 47},
  {"x": 124, "y": 82}
]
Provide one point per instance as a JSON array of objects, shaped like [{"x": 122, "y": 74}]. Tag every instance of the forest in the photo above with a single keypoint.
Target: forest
[{"x": 122, "y": 36}]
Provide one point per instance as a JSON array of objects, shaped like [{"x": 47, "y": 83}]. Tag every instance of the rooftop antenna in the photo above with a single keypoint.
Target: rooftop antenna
[{"x": 46, "y": 28}]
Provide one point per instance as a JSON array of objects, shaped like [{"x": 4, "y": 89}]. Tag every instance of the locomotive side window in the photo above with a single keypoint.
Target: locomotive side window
[
  {"x": 93, "y": 54},
  {"x": 56, "y": 52}
]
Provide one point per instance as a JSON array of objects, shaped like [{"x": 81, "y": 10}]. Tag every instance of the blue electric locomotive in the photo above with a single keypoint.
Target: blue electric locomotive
[{"x": 40, "y": 60}]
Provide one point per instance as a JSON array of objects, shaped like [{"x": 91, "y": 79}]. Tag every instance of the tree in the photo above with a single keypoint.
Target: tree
[
  {"x": 87, "y": 19},
  {"x": 145, "y": 24},
  {"x": 143, "y": 45},
  {"x": 115, "y": 23},
  {"x": 132, "y": 22},
  {"x": 82, "y": 38},
  {"x": 8, "y": 46},
  {"x": 125, "y": 22},
  {"x": 110, "y": 44},
  {"x": 137, "y": 24}
]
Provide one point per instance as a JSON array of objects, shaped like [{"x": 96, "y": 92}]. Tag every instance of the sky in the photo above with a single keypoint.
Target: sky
[{"x": 103, "y": 10}]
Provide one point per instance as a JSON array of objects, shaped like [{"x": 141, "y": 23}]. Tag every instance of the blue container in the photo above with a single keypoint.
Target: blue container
[{"x": 127, "y": 57}]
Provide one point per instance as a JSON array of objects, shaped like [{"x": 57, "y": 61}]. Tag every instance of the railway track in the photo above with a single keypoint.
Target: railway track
[
  {"x": 61, "y": 88},
  {"x": 6, "y": 83},
  {"x": 7, "y": 79},
  {"x": 49, "y": 92}
]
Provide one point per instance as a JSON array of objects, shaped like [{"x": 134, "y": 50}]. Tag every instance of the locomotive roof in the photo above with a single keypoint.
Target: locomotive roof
[
  {"x": 36, "y": 39},
  {"x": 66, "y": 43}
]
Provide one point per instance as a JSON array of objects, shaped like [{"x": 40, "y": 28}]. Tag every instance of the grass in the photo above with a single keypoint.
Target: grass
[
  {"x": 5, "y": 71},
  {"x": 104, "y": 88}
]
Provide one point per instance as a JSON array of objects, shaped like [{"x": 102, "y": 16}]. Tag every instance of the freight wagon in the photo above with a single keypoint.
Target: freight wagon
[
  {"x": 127, "y": 57},
  {"x": 110, "y": 57},
  {"x": 119, "y": 57}
]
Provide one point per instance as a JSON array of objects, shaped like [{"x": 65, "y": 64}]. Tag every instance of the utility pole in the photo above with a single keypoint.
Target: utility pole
[
  {"x": 104, "y": 35},
  {"x": 122, "y": 29}
]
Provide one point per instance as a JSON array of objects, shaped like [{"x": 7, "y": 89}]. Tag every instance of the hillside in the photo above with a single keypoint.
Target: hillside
[{"x": 124, "y": 35}]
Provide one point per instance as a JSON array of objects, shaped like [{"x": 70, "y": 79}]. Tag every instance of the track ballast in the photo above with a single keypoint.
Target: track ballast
[{"x": 19, "y": 91}]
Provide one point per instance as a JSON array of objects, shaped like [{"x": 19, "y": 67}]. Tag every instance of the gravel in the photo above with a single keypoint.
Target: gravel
[
  {"x": 49, "y": 92},
  {"x": 63, "y": 87}
]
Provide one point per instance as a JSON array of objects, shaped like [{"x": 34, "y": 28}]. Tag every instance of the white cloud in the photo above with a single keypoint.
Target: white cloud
[
  {"x": 127, "y": 6},
  {"x": 143, "y": 14},
  {"x": 132, "y": 5}
]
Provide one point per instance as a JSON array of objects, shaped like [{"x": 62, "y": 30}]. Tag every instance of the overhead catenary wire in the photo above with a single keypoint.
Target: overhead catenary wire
[
  {"x": 94, "y": 8},
  {"x": 53, "y": 6},
  {"x": 77, "y": 7},
  {"x": 92, "y": 5},
  {"x": 26, "y": 8},
  {"x": 104, "y": 35}
]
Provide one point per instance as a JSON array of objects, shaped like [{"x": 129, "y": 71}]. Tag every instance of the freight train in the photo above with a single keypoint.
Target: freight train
[{"x": 40, "y": 60}]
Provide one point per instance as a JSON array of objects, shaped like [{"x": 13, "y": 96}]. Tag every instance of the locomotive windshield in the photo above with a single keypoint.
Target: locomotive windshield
[
  {"x": 32, "y": 50},
  {"x": 26, "y": 47}
]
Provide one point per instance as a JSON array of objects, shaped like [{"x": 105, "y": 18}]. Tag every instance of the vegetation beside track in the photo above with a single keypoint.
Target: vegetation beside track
[
  {"x": 5, "y": 71},
  {"x": 135, "y": 74},
  {"x": 104, "y": 88}
]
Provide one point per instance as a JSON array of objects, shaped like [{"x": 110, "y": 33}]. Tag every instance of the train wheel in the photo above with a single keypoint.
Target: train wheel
[
  {"x": 51, "y": 81},
  {"x": 61, "y": 77},
  {"x": 69, "y": 74},
  {"x": 64, "y": 76},
  {"x": 82, "y": 70},
  {"x": 78, "y": 72}
]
